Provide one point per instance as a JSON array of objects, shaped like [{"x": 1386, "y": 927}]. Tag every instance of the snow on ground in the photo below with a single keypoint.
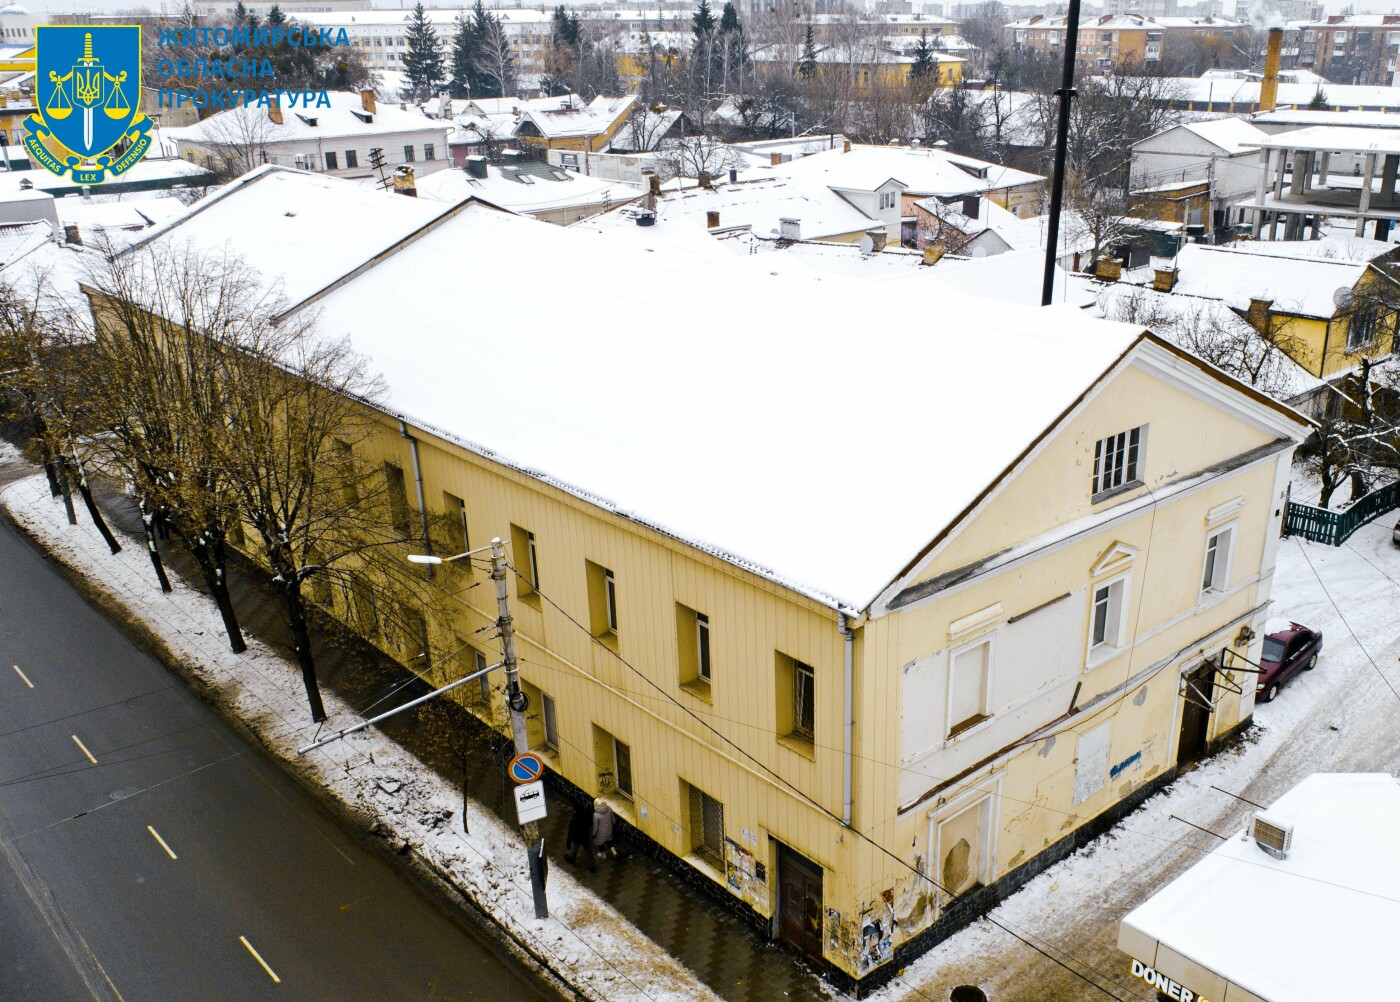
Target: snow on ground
[
  {"x": 1332, "y": 719},
  {"x": 585, "y": 942}
]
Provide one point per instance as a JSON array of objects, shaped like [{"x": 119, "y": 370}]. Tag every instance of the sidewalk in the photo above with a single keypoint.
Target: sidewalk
[{"x": 727, "y": 956}]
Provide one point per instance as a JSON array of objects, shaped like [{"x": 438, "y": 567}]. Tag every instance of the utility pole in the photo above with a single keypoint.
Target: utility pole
[
  {"x": 517, "y": 702},
  {"x": 1057, "y": 182}
]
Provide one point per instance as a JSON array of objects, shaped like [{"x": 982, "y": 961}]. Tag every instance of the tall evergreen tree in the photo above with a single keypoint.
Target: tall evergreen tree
[
  {"x": 465, "y": 47},
  {"x": 924, "y": 64},
  {"x": 422, "y": 63},
  {"x": 807, "y": 65},
  {"x": 275, "y": 17},
  {"x": 733, "y": 50}
]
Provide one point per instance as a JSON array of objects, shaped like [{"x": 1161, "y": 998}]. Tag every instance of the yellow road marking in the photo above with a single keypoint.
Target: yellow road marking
[
  {"x": 23, "y": 676},
  {"x": 162, "y": 842},
  {"x": 258, "y": 957},
  {"x": 84, "y": 748}
]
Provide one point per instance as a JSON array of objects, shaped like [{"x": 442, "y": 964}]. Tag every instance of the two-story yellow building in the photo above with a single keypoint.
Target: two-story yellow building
[{"x": 864, "y": 623}]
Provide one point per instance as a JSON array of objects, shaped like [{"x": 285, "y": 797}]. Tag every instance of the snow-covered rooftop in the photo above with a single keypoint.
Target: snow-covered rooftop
[
  {"x": 1309, "y": 116},
  {"x": 147, "y": 172},
  {"x": 1230, "y": 135},
  {"x": 534, "y": 187},
  {"x": 922, "y": 171},
  {"x": 346, "y": 117},
  {"x": 1304, "y": 286},
  {"x": 1246, "y": 92},
  {"x": 1338, "y": 138},
  {"x": 1319, "y": 924},
  {"x": 591, "y": 119},
  {"x": 744, "y": 448}
]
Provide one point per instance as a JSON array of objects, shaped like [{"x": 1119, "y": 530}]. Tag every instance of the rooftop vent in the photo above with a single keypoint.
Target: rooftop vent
[
  {"x": 1271, "y": 835},
  {"x": 476, "y": 167}
]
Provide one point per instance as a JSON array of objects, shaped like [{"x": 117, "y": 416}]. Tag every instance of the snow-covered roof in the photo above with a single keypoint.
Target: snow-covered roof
[
  {"x": 1128, "y": 22},
  {"x": 1308, "y": 116},
  {"x": 18, "y": 239},
  {"x": 1338, "y": 138},
  {"x": 735, "y": 448},
  {"x": 346, "y": 117},
  {"x": 1303, "y": 286},
  {"x": 1319, "y": 924},
  {"x": 759, "y": 204},
  {"x": 922, "y": 171},
  {"x": 1015, "y": 277},
  {"x": 1246, "y": 92},
  {"x": 147, "y": 172},
  {"x": 300, "y": 230},
  {"x": 1229, "y": 135},
  {"x": 593, "y": 119},
  {"x": 1334, "y": 247},
  {"x": 534, "y": 187}
]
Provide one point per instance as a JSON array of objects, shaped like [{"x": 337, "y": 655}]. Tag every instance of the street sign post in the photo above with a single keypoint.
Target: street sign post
[
  {"x": 529, "y": 802},
  {"x": 526, "y": 767}
]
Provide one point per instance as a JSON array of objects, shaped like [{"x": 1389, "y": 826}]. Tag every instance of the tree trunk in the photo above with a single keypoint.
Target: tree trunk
[
  {"x": 93, "y": 511},
  {"x": 1358, "y": 485},
  {"x": 208, "y": 551},
  {"x": 66, "y": 490},
  {"x": 301, "y": 643},
  {"x": 148, "y": 522}
]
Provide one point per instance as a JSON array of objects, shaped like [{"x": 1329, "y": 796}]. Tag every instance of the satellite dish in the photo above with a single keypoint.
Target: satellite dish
[
  {"x": 1343, "y": 298},
  {"x": 979, "y": 252},
  {"x": 867, "y": 245}
]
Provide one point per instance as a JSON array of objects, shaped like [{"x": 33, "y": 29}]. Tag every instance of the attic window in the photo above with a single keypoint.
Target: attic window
[
  {"x": 363, "y": 116},
  {"x": 308, "y": 120}
]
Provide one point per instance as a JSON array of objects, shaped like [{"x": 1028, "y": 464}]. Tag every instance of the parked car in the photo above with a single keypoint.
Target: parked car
[{"x": 1288, "y": 649}]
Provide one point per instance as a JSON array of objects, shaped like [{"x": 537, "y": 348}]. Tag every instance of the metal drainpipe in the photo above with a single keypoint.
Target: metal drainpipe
[
  {"x": 422, "y": 505},
  {"x": 849, "y": 723}
]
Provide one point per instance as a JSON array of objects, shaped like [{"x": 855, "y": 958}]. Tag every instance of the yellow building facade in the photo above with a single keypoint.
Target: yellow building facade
[{"x": 857, "y": 780}]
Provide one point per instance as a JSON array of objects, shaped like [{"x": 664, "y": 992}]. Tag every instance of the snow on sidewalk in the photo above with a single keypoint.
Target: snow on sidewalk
[{"x": 585, "y": 942}]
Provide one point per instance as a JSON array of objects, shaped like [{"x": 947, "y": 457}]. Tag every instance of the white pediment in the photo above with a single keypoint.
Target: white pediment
[{"x": 1116, "y": 558}]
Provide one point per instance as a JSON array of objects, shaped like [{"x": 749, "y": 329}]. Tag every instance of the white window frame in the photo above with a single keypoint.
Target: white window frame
[
  {"x": 485, "y": 680},
  {"x": 702, "y": 646},
  {"x": 1105, "y": 649},
  {"x": 1223, "y": 563},
  {"x": 534, "y": 560},
  {"x": 989, "y": 641},
  {"x": 1361, "y": 331},
  {"x": 802, "y": 669},
  {"x": 610, "y": 598},
  {"x": 617, "y": 771},
  {"x": 980, "y": 797},
  {"x": 1109, "y": 481}
]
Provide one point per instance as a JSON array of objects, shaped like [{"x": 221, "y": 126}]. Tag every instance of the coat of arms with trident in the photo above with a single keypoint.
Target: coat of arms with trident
[{"x": 87, "y": 68}]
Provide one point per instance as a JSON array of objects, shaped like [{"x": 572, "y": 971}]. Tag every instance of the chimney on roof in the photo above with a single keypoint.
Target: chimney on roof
[
  {"x": 404, "y": 183},
  {"x": 847, "y": 147},
  {"x": 733, "y": 175},
  {"x": 476, "y": 167},
  {"x": 932, "y": 253},
  {"x": 1164, "y": 278},
  {"x": 712, "y": 219},
  {"x": 774, "y": 159},
  {"x": 790, "y": 229},
  {"x": 367, "y": 100},
  {"x": 1268, "y": 87},
  {"x": 654, "y": 184},
  {"x": 274, "y": 109},
  {"x": 1109, "y": 268},
  {"x": 1257, "y": 316},
  {"x": 512, "y": 158},
  {"x": 73, "y": 235},
  {"x": 704, "y": 179},
  {"x": 971, "y": 206}
]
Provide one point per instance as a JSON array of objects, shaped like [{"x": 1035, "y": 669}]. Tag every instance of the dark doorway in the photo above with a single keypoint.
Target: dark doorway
[
  {"x": 1196, "y": 689},
  {"x": 800, "y": 903}
]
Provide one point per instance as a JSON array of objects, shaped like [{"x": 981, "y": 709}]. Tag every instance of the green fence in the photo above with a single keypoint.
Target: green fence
[{"x": 1333, "y": 527}]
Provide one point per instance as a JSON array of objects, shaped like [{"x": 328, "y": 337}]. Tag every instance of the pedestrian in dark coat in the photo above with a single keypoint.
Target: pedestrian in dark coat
[
  {"x": 581, "y": 836},
  {"x": 603, "y": 829}
]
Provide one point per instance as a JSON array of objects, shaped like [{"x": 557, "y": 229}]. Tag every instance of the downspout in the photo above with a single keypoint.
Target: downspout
[
  {"x": 848, "y": 719},
  {"x": 418, "y": 485}
]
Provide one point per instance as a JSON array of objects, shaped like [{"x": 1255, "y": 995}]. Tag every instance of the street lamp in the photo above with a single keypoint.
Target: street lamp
[{"x": 425, "y": 558}]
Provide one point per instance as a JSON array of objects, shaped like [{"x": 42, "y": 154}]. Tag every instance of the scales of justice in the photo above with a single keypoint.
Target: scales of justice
[{"x": 85, "y": 87}]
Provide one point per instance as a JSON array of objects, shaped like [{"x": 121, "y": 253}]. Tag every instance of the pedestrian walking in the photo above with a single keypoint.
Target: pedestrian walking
[
  {"x": 581, "y": 836},
  {"x": 603, "y": 829}
]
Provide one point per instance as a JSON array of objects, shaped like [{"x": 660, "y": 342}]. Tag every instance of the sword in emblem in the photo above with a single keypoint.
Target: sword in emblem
[{"x": 92, "y": 88}]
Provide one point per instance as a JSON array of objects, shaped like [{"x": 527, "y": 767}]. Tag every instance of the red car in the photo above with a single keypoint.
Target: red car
[{"x": 1288, "y": 649}]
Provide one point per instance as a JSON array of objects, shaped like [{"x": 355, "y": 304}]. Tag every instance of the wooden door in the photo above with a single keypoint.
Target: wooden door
[
  {"x": 1197, "y": 690},
  {"x": 800, "y": 903}
]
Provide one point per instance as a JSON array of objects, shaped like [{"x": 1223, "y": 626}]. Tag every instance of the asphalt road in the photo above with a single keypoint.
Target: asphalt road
[{"x": 148, "y": 853}]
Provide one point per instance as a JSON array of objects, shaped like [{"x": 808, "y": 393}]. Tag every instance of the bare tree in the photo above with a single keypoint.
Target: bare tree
[
  {"x": 691, "y": 156},
  {"x": 236, "y": 141}
]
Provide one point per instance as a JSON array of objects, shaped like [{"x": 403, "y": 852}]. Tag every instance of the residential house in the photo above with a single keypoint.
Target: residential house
[
  {"x": 1113, "y": 40},
  {"x": 1173, "y": 164},
  {"x": 339, "y": 140},
  {"x": 865, "y": 65},
  {"x": 1352, "y": 48},
  {"x": 529, "y": 187},
  {"x": 1325, "y": 312},
  {"x": 576, "y": 127},
  {"x": 874, "y": 707}
]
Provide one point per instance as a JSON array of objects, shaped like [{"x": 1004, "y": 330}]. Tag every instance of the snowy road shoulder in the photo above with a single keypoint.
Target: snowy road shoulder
[{"x": 586, "y": 943}]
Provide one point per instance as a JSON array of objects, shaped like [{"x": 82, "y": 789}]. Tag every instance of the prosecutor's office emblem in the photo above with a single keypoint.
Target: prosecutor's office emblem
[{"x": 87, "y": 85}]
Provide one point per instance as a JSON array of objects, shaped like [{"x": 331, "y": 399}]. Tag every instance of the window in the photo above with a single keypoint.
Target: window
[
  {"x": 428, "y": 152},
  {"x": 1215, "y": 576},
  {"x": 702, "y": 645},
  {"x": 525, "y": 559},
  {"x": 706, "y": 826},
  {"x": 331, "y": 162},
  {"x": 622, "y": 768},
  {"x": 408, "y": 154},
  {"x": 1110, "y": 608},
  {"x": 454, "y": 527},
  {"x": 551, "y": 722},
  {"x": 1117, "y": 460},
  {"x": 796, "y": 683},
  {"x": 693, "y": 650},
  {"x": 602, "y": 600},
  {"x": 1361, "y": 330},
  {"x": 969, "y": 670},
  {"x": 1091, "y": 762},
  {"x": 485, "y": 680},
  {"x": 360, "y": 603},
  {"x": 352, "y": 158},
  {"x": 398, "y": 497},
  {"x": 343, "y": 464}
]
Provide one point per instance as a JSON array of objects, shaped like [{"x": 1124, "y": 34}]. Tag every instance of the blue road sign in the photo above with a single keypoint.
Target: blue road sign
[{"x": 526, "y": 768}]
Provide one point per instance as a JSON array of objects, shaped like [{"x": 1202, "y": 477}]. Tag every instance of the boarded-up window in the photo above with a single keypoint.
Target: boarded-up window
[
  {"x": 706, "y": 826},
  {"x": 970, "y": 668},
  {"x": 962, "y": 848},
  {"x": 1091, "y": 762}
]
